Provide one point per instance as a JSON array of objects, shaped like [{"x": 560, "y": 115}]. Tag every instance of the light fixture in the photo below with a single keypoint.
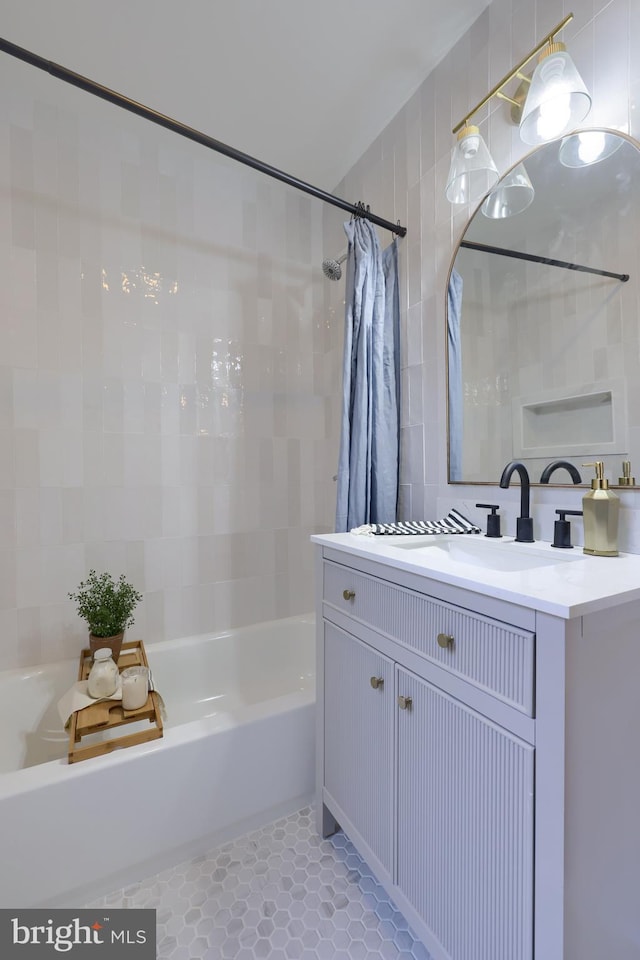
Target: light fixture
[
  {"x": 513, "y": 194},
  {"x": 587, "y": 147},
  {"x": 472, "y": 170},
  {"x": 555, "y": 100}
]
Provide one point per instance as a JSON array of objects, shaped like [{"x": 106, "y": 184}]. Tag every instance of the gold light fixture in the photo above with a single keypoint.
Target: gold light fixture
[
  {"x": 472, "y": 170},
  {"x": 546, "y": 105},
  {"x": 557, "y": 100}
]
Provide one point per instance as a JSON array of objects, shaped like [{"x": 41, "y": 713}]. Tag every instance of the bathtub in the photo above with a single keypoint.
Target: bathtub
[{"x": 237, "y": 752}]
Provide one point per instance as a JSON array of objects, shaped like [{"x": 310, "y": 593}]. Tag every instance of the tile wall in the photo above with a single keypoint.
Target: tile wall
[
  {"x": 170, "y": 354},
  {"x": 163, "y": 386},
  {"x": 402, "y": 177}
]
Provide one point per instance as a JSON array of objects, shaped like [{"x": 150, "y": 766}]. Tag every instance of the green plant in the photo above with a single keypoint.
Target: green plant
[{"x": 106, "y": 604}]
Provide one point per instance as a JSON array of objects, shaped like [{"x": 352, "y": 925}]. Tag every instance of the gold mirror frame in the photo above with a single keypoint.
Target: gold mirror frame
[{"x": 554, "y": 225}]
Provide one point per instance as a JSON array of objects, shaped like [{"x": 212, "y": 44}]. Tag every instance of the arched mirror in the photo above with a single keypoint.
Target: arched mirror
[{"x": 543, "y": 318}]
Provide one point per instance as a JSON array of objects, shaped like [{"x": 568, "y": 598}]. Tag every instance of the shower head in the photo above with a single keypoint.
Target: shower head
[{"x": 331, "y": 268}]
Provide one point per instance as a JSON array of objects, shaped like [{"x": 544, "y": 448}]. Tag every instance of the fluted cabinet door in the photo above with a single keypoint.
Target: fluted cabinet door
[
  {"x": 358, "y": 744},
  {"x": 465, "y": 826}
]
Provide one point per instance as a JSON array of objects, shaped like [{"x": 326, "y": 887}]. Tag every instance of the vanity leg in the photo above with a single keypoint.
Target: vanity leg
[{"x": 325, "y": 821}]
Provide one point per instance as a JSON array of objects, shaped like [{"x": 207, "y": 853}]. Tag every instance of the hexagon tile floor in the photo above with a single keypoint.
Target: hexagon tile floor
[{"x": 278, "y": 893}]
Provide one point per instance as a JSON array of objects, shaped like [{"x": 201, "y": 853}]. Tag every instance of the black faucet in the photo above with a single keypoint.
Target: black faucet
[
  {"x": 524, "y": 523},
  {"x": 545, "y": 476}
]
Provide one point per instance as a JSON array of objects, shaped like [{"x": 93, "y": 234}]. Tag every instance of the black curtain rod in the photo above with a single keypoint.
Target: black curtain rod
[
  {"x": 77, "y": 80},
  {"x": 485, "y": 248}
]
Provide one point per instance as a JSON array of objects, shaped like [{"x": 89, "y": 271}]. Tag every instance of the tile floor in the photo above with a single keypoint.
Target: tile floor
[{"x": 278, "y": 893}]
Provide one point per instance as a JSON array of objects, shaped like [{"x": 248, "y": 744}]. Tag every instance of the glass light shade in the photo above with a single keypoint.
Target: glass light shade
[
  {"x": 472, "y": 172},
  {"x": 589, "y": 146},
  {"x": 512, "y": 195},
  {"x": 557, "y": 100}
]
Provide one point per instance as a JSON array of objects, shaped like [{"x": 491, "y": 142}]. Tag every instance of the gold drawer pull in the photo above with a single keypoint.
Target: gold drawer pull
[
  {"x": 445, "y": 640},
  {"x": 377, "y": 682},
  {"x": 349, "y": 594},
  {"x": 405, "y": 703}
]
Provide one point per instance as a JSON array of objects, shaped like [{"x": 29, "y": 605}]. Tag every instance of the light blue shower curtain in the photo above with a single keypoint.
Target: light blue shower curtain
[
  {"x": 369, "y": 440},
  {"x": 454, "y": 311}
]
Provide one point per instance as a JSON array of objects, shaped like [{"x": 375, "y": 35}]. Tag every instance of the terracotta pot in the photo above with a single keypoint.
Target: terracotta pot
[{"x": 113, "y": 643}]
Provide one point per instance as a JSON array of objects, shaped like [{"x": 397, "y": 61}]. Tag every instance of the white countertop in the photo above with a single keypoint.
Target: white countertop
[{"x": 571, "y": 585}]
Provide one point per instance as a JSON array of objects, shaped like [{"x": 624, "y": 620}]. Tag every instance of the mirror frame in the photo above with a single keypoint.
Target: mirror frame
[{"x": 523, "y": 159}]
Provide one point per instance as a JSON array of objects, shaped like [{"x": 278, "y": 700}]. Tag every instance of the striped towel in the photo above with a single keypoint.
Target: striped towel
[{"x": 454, "y": 522}]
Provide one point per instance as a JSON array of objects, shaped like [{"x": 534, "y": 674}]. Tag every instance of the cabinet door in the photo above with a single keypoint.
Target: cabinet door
[
  {"x": 465, "y": 826},
  {"x": 358, "y": 737}
]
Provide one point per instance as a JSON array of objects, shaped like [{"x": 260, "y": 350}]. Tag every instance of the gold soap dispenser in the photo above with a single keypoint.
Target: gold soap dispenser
[
  {"x": 626, "y": 480},
  {"x": 600, "y": 508}
]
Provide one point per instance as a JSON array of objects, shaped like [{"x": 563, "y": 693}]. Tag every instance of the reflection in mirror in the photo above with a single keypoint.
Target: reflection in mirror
[{"x": 543, "y": 321}]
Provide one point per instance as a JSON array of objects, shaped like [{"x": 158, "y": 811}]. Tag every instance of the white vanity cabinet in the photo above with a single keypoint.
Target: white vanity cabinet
[
  {"x": 358, "y": 738},
  {"x": 464, "y": 836},
  {"x": 450, "y": 750}
]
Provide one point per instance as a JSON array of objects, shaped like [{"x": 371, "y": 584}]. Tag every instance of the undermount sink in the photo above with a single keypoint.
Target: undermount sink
[{"x": 504, "y": 555}]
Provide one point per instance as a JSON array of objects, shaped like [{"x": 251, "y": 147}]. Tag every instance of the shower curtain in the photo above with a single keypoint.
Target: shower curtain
[
  {"x": 454, "y": 310},
  {"x": 370, "y": 429}
]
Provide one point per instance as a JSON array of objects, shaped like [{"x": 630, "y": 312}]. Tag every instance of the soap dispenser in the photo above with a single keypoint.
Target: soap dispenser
[
  {"x": 600, "y": 508},
  {"x": 626, "y": 480}
]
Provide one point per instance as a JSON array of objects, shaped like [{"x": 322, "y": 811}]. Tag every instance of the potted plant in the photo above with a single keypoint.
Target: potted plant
[{"x": 107, "y": 605}]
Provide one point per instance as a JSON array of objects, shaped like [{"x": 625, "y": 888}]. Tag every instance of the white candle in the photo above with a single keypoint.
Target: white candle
[{"x": 135, "y": 687}]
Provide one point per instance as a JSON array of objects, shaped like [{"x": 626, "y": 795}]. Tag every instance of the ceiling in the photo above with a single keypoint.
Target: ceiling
[{"x": 303, "y": 86}]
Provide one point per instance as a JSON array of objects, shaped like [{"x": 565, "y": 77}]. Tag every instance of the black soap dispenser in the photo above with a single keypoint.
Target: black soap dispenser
[{"x": 493, "y": 520}]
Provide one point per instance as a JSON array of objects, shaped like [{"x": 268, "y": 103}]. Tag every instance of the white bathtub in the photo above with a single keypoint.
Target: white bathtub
[{"x": 237, "y": 752}]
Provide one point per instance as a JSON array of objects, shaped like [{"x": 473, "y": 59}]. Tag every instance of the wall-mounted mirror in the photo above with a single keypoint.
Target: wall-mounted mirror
[{"x": 543, "y": 319}]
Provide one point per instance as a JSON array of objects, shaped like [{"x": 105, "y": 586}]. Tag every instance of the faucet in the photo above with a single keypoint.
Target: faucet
[
  {"x": 524, "y": 523},
  {"x": 545, "y": 476}
]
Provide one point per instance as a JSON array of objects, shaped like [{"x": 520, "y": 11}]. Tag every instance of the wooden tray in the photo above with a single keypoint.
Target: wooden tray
[{"x": 107, "y": 715}]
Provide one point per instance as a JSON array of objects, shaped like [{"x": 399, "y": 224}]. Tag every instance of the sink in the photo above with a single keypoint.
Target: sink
[{"x": 503, "y": 555}]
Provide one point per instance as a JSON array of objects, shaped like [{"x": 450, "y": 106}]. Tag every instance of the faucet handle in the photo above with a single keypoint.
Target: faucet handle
[
  {"x": 493, "y": 520},
  {"x": 562, "y": 529}
]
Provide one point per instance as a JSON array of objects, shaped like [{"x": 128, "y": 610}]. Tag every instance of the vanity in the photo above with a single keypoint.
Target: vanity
[{"x": 478, "y": 739}]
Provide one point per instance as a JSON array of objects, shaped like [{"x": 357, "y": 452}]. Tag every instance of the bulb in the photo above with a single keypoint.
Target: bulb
[
  {"x": 469, "y": 145},
  {"x": 590, "y": 146},
  {"x": 554, "y": 116}
]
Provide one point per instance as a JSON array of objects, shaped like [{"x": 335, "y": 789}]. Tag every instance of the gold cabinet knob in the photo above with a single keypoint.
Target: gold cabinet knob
[
  {"x": 377, "y": 683},
  {"x": 405, "y": 703},
  {"x": 445, "y": 640},
  {"x": 349, "y": 594}
]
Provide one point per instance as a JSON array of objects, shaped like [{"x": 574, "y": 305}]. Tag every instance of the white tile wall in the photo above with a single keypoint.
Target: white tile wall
[
  {"x": 170, "y": 354},
  {"x": 415, "y": 149},
  {"x": 163, "y": 375}
]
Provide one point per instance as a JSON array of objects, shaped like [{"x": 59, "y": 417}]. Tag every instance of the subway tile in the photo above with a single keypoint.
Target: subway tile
[
  {"x": 21, "y": 585},
  {"x": 50, "y": 515},
  {"x": 11, "y": 652},
  {"x": 31, "y": 649},
  {"x": 71, "y": 509},
  {"x": 144, "y": 257}
]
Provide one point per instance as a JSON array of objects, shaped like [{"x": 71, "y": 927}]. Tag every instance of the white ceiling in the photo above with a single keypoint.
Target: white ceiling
[{"x": 303, "y": 86}]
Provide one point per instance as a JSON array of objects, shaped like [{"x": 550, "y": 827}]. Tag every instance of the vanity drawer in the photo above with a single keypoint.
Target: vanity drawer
[{"x": 494, "y": 656}]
